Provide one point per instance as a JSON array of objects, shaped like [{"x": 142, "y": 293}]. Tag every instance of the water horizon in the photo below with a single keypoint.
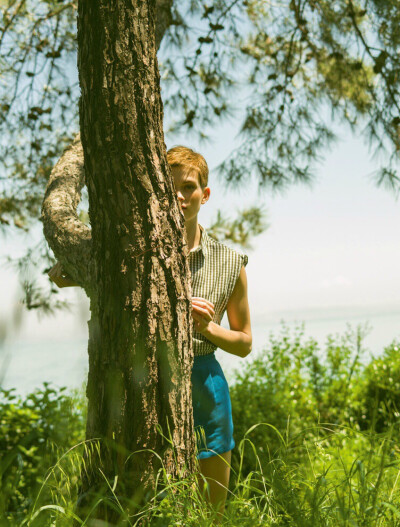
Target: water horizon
[{"x": 25, "y": 363}]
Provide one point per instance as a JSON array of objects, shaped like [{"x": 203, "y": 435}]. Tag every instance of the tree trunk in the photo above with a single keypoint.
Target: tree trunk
[{"x": 140, "y": 352}]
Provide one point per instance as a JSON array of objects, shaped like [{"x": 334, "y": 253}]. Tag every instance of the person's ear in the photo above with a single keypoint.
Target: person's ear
[{"x": 206, "y": 195}]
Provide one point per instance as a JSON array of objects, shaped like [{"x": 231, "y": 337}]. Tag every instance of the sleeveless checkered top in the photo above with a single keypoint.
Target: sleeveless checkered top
[{"x": 214, "y": 269}]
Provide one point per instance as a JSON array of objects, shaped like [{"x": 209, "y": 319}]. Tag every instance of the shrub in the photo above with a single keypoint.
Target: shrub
[
  {"x": 378, "y": 396},
  {"x": 33, "y": 429},
  {"x": 312, "y": 427},
  {"x": 291, "y": 387}
]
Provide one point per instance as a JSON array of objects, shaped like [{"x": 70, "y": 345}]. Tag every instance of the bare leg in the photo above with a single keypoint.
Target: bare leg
[{"x": 217, "y": 472}]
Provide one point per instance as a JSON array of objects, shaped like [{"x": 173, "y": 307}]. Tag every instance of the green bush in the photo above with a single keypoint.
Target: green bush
[
  {"x": 293, "y": 387},
  {"x": 378, "y": 396},
  {"x": 316, "y": 441},
  {"x": 33, "y": 431}
]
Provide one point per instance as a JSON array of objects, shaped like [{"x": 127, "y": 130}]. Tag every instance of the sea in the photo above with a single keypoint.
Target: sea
[{"x": 25, "y": 364}]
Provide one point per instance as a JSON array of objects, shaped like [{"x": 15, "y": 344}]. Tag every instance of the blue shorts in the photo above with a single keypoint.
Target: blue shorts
[{"x": 212, "y": 408}]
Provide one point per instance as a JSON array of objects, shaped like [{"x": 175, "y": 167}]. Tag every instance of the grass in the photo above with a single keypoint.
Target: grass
[
  {"x": 343, "y": 477},
  {"x": 325, "y": 451}
]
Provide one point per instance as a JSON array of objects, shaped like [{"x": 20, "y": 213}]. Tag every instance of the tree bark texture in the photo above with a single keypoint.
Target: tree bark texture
[{"x": 134, "y": 261}]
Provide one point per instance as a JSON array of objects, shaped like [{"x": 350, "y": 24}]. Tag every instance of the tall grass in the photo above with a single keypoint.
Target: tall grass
[
  {"x": 317, "y": 444},
  {"x": 350, "y": 479}
]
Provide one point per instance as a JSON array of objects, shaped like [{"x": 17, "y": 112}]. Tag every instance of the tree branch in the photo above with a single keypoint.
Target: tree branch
[
  {"x": 163, "y": 19},
  {"x": 67, "y": 235}
]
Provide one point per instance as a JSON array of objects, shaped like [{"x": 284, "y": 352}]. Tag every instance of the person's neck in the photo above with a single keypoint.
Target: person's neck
[{"x": 193, "y": 233}]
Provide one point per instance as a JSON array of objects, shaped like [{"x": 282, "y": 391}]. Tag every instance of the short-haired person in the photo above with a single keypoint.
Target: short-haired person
[{"x": 219, "y": 284}]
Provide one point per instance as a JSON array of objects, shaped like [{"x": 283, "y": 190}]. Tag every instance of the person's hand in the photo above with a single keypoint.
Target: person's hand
[
  {"x": 59, "y": 276},
  {"x": 202, "y": 313}
]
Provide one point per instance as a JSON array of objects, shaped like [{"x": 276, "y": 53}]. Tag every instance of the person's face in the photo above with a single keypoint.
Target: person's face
[{"x": 189, "y": 192}]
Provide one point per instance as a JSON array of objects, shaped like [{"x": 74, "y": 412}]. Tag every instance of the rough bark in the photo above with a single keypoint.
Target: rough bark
[{"x": 140, "y": 353}]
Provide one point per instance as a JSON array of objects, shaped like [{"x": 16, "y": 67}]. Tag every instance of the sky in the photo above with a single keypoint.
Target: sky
[
  {"x": 331, "y": 253},
  {"x": 333, "y": 245}
]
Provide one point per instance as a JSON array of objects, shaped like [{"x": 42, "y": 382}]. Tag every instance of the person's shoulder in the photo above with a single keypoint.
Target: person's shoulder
[
  {"x": 218, "y": 245},
  {"x": 220, "y": 248}
]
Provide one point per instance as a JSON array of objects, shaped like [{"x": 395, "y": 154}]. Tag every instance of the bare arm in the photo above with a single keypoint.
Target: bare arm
[{"x": 236, "y": 340}]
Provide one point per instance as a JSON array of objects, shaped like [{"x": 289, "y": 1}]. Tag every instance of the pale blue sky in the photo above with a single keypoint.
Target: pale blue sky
[
  {"x": 335, "y": 244},
  {"x": 330, "y": 246}
]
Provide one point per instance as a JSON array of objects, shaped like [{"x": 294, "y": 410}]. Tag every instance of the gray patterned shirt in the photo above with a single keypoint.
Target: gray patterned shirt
[{"x": 214, "y": 269}]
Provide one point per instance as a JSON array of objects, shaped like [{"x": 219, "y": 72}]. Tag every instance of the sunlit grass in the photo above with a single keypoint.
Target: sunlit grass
[
  {"x": 317, "y": 445},
  {"x": 345, "y": 478}
]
